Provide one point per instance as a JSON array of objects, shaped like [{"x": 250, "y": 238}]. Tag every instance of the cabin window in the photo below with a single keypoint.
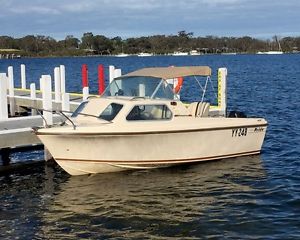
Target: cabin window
[
  {"x": 149, "y": 112},
  {"x": 79, "y": 109},
  {"x": 111, "y": 111}
]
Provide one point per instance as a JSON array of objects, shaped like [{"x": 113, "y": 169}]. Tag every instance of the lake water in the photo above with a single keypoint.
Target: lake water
[{"x": 241, "y": 198}]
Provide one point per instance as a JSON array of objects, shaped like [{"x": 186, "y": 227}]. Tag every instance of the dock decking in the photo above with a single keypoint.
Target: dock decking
[{"x": 21, "y": 108}]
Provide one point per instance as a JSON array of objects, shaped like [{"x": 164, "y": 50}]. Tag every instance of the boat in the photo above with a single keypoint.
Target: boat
[
  {"x": 273, "y": 52},
  {"x": 139, "y": 122},
  {"x": 144, "y": 54},
  {"x": 180, "y": 54},
  {"x": 122, "y": 55},
  {"x": 228, "y": 53},
  {"x": 195, "y": 53}
]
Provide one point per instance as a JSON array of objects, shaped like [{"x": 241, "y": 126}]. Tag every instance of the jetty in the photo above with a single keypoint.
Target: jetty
[{"x": 23, "y": 108}]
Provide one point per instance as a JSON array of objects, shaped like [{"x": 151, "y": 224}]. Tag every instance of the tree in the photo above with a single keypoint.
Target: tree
[
  {"x": 71, "y": 42},
  {"x": 183, "y": 34},
  {"x": 7, "y": 42},
  {"x": 102, "y": 44},
  {"x": 40, "y": 45},
  {"x": 28, "y": 44},
  {"x": 117, "y": 44},
  {"x": 87, "y": 41}
]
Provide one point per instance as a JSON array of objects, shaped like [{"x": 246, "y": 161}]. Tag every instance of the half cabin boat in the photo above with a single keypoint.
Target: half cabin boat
[{"x": 140, "y": 123}]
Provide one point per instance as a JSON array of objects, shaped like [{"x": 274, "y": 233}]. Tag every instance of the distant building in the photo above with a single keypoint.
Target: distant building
[{"x": 10, "y": 53}]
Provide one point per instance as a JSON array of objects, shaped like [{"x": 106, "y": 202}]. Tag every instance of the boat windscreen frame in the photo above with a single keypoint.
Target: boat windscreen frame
[{"x": 169, "y": 93}]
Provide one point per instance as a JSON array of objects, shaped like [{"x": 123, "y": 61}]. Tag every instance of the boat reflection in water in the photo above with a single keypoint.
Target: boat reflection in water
[{"x": 154, "y": 203}]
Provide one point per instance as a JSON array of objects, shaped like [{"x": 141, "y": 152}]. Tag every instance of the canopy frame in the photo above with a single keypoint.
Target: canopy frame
[{"x": 170, "y": 72}]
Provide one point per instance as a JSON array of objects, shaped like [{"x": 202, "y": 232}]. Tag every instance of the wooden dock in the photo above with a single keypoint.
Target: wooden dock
[
  {"x": 22, "y": 109},
  {"x": 22, "y": 98},
  {"x": 16, "y": 132}
]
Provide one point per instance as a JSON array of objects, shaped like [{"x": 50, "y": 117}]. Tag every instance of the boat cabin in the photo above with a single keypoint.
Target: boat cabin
[{"x": 145, "y": 95}]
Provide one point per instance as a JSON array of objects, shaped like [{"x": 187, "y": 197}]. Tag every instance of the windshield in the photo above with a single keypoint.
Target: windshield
[{"x": 148, "y": 87}]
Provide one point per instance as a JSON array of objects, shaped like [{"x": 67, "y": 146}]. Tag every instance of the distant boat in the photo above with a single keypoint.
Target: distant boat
[
  {"x": 122, "y": 55},
  {"x": 276, "y": 52},
  {"x": 228, "y": 53},
  {"x": 195, "y": 53},
  {"x": 271, "y": 52},
  {"x": 142, "y": 54},
  {"x": 180, "y": 54}
]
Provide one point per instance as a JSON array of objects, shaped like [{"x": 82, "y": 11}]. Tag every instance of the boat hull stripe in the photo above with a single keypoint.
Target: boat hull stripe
[
  {"x": 186, "y": 160},
  {"x": 147, "y": 133}
]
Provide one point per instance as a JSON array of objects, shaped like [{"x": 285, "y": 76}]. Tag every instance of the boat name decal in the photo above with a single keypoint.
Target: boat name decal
[
  {"x": 239, "y": 132},
  {"x": 258, "y": 129}
]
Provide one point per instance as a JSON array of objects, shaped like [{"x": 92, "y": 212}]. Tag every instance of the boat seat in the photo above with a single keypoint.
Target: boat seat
[
  {"x": 156, "y": 113},
  {"x": 199, "y": 109}
]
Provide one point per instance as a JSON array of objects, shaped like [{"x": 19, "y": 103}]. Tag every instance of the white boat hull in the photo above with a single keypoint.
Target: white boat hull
[{"x": 89, "y": 153}]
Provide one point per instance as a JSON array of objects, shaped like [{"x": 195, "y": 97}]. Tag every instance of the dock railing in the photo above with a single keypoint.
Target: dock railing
[{"x": 15, "y": 129}]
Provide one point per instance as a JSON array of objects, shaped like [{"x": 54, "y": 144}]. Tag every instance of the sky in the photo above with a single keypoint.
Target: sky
[{"x": 133, "y": 18}]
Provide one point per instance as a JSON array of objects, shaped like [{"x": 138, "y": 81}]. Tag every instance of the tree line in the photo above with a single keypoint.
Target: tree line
[{"x": 90, "y": 44}]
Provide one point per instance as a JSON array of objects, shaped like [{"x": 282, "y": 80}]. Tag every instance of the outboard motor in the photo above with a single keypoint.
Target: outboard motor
[{"x": 236, "y": 114}]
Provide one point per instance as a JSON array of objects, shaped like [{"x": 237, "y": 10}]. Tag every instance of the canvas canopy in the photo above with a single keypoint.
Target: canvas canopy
[{"x": 171, "y": 72}]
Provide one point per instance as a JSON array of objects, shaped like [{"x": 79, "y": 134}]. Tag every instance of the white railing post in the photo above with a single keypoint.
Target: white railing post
[
  {"x": 65, "y": 102},
  {"x": 222, "y": 90},
  {"x": 23, "y": 76},
  {"x": 85, "y": 93},
  {"x": 111, "y": 73},
  {"x": 47, "y": 99},
  {"x": 57, "y": 84},
  {"x": 142, "y": 90},
  {"x": 32, "y": 91},
  {"x": 12, "y": 108},
  {"x": 62, "y": 79},
  {"x": 41, "y": 84},
  {"x": 3, "y": 97},
  {"x": 33, "y": 97},
  {"x": 117, "y": 73}
]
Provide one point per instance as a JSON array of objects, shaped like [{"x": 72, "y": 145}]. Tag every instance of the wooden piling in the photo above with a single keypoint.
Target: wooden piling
[
  {"x": 3, "y": 97},
  {"x": 222, "y": 92},
  {"x": 111, "y": 73},
  {"x": 85, "y": 93},
  {"x": 57, "y": 85},
  {"x": 23, "y": 76},
  {"x": 47, "y": 100},
  {"x": 101, "y": 83},
  {"x": 65, "y": 102},
  {"x": 62, "y": 79},
  {"x": 117, "y": 72},
  {"x": 33, "y": 98},
  {"x": 84, "y": 72},
  {"x": 5, "y": 156},
  {"x": 11, "y": 92}
]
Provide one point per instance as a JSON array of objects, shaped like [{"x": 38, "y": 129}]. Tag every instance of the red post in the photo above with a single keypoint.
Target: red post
[
  {"x": 101, "y": 83},
  {"x": 84, "y": 72}
]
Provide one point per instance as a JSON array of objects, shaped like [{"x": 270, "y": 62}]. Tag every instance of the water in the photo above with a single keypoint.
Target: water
[{"x": 241, "y": 198}]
